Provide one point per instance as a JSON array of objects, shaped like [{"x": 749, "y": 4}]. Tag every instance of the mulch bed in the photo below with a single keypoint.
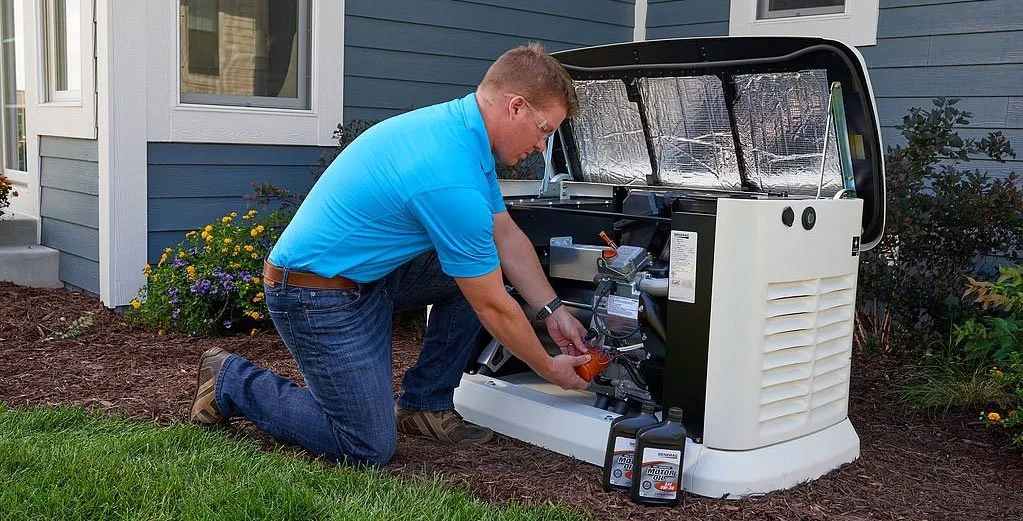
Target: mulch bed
[{"x": 911, "y": 466}]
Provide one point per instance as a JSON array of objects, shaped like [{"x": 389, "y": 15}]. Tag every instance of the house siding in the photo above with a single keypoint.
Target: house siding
[
  {"x": 69, "y": 207},
  {"x": 690, "y": 18},
  {"x": 191, "y": 185},
  {"x": 972, "y": 50},
  {"x": 966, "y": 49},
  {"x": 406, "y": 54}
]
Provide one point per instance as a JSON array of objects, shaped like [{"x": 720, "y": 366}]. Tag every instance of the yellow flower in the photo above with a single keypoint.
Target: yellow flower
[
  {"x": 167, "y": 250},
  {"x": 254, "y": 233},
  {"x": 227, "y": 240},
  {"x": 223, "y": 250},
  {"x": 261, "y": 295},
  {"x": 190, "y": 234},
  {"x": 260, "y": 228},
  {"x": 253, "y": 332},
  {"x": 160, "y": 332},
  {"x": 191, "y": 272},
  {"x": 135, "y": 304},
  {"x": 226, "y": 219},
  {"x": 181, "y": 254},
  {"x": 252, "y": 213},
  {"x": 254, "y": 314},
  {"x": 234, "y": 214},
  {"x": 254, "y": 256},
  {"x": 147, "y": 269},
  {"x": 998, "y": 374},
  {"x": 209, "y": 237},
  {"x": 994, "y": 417},
  {"x": 208, "y": 228},
  {"x": 255, "y": 280},
  {"x": 249, "y": 247}
]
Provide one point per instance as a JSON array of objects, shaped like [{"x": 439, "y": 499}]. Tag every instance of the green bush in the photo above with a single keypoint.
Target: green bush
[
  {"x": 7, "y": 192},
  {"x": 211, "y": 282},
  {"x": 943, "y": 221},
  {"x": 997, "y": 338}
]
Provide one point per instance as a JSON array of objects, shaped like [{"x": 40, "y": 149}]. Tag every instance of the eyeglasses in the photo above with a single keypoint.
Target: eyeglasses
[{"x": 541, "y": 122}]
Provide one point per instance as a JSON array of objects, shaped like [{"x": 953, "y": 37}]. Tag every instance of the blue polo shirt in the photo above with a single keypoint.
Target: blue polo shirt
[{"x": 418, "y": 181}]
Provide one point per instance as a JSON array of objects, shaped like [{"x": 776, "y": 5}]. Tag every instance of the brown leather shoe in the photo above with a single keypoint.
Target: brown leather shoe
[
  {"x": 204, "y": 405},
  {"x": 444, "y": 426}
]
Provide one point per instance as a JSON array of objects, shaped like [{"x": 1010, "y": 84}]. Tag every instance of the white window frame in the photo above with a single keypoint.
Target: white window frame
[
  {"x": 303, "y": 74},
  {"x": 857, "y": 25},
  {"x": 170, "y": 119},
  {"x": 49, "y": 37}
]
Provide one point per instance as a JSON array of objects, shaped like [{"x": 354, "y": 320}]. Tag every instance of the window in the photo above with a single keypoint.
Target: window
[
  {"x": 767, "y": 9},
  {"x": 250, "y": 54},
  {"x": 853, "y": 23},
  {"x": 63, "y": 50},
  {"x": 12, "y": 73}
]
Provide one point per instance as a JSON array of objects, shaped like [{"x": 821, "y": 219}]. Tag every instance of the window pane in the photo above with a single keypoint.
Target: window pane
[
  {"x": 789, "y": 8},
  {"x": 13, "y": 74},
  {"x": 64, "y": 32},
  {"x": 235, "y": 50}
]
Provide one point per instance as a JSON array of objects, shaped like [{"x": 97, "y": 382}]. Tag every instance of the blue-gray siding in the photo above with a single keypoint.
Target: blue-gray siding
[
  {"x": 967, "y": 49},
  {"x": 191, "y": 185},
  {"x": 675, "y": 18},
  {"x": 69, "y": 207},
  {"x": 405, "y": 54},
  {"x": 971, "y": 50}
]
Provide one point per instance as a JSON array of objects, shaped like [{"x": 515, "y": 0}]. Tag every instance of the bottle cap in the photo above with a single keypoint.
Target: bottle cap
[
  {"x": 675, "y": 414},
  {"x": 648, "y": 408}
]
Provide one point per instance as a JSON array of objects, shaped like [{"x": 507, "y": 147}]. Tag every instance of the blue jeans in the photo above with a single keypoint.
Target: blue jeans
[{"x": 341, "y": 340}]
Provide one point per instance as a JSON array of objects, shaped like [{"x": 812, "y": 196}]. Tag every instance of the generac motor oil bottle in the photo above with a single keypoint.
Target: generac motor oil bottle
[
  {"x": 660, "y": 452},
  {"x": 621, "y": 445}
]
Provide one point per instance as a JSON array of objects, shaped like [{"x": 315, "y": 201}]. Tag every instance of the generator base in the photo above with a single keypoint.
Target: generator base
[{"x": 525, "y": 407}]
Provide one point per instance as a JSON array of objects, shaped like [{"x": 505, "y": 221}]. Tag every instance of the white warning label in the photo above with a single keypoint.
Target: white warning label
[
  {"x": 624, "y": 307},
  {"x": 682, "y": 272}
]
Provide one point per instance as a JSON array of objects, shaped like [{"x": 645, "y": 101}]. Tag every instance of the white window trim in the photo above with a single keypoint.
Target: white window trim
[
  {"x": 171, "y": 120},
  {"x": 65, "y": 118},
  {"x": 856, "y": 26},
  {"x": 69, "y": 97}
]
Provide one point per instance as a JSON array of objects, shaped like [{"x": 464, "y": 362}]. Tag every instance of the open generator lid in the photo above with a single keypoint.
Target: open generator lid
[{"x": 784, "y": 116}]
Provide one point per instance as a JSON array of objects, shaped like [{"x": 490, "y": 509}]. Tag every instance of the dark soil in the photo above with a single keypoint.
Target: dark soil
[{"x": 911, "y": 467}]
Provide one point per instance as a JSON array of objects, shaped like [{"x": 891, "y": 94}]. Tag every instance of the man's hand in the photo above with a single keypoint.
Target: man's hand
[
  {"x": 560, "y": 371},
  {"x": 567, "y": 332}
]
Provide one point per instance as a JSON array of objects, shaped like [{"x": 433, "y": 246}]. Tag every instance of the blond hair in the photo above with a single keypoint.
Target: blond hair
[{"x": 532, "y": 73}]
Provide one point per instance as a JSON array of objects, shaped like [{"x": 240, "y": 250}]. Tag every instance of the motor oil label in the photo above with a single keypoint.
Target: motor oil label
[
  {"x": 659, "y": 473},
  {"x": 624, "y": 307},
  {"x": 682, "y": 267},
  {"x": 621, "y": 463}
]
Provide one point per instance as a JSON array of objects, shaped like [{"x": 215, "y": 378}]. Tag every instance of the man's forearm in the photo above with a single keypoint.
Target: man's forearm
[
  {"x": 522, "y": 267},
  {"x": 509, "y": 326}
]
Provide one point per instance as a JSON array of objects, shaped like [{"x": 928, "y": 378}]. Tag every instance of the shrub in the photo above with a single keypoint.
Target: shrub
[
  {"x": 997, "y": 338},
  {"x": 211, "y": 282},
  {"x": 943, "y": 221},
  {"x": 7, "y": 192}
]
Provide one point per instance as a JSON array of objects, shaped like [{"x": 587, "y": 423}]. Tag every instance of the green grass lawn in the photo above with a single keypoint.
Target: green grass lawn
[{"x": 70, "y": 464}]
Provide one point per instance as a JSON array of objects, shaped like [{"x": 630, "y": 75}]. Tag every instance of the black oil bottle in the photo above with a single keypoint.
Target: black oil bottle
[
  {"x": 621, "y": 445},
  {"x": 660, "y": 453}
]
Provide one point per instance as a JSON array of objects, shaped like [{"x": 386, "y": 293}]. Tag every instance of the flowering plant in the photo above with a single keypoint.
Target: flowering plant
[
  {"x": 211, "y": 282},
  {"x": 6, "y": 193}
]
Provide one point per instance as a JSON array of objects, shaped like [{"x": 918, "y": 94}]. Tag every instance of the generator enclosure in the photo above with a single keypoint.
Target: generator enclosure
[{"x": 703, "y": 215}]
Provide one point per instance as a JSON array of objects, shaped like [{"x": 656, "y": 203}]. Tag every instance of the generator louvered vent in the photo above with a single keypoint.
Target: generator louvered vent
[{"x": 807, "y": 344}]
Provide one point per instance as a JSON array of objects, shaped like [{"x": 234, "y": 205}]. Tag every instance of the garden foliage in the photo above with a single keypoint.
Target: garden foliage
[
  {"x": 211, "y": 283},
  {"x": 7, "y": 192},
  {"x": 996, "y": 338},
  {"x": 945, "y": 221}
]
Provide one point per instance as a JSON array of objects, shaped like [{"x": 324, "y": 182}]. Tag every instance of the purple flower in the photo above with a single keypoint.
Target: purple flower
[
  {"x": 177, "y": 311},
  {"x": 227, "y": 324},
  {"x": 178, "y": 263}
]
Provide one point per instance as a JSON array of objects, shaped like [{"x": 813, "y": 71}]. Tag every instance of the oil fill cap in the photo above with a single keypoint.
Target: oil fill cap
[
  {"x": 809, "y": 218},
  {"x": 788, "y": 216}
]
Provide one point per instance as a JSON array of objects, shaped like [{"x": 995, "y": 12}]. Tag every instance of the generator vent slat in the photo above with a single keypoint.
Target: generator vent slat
[{"x": 808, "y": 326}]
